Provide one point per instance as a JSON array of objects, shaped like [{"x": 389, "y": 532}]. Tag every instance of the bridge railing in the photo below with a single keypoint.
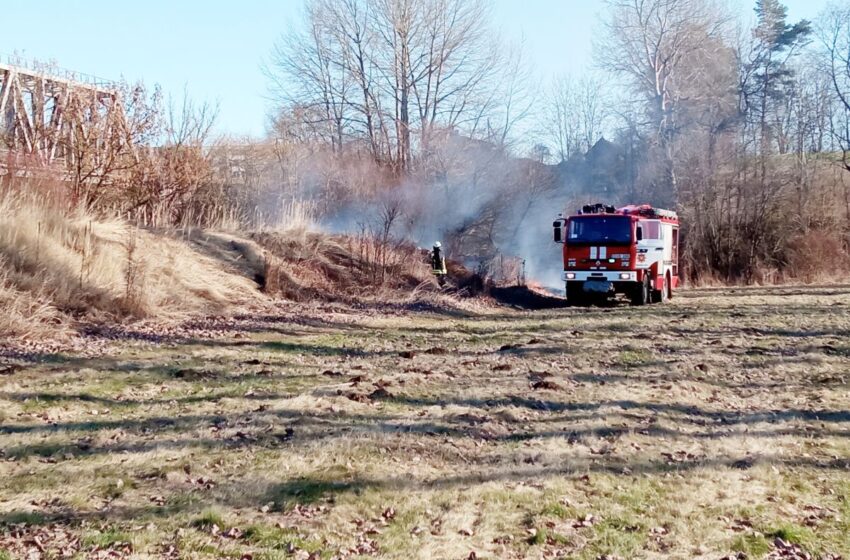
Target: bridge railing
[{"x": 52, "y": 69}]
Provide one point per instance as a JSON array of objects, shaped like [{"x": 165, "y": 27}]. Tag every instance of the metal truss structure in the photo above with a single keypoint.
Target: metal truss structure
[{"x": 47, "y": 113}]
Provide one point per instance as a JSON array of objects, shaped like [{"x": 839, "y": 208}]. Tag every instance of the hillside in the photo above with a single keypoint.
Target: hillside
[{"x": 62, "y": 274}]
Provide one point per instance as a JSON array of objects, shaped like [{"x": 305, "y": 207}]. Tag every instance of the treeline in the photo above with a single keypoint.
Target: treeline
[
  {"x": 390, "y": 76},
  {"x": 743, "y": 130}
]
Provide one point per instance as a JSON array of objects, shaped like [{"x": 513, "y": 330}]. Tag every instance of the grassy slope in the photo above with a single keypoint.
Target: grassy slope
[
  {"x": 55, "y": 267},
  {"x": 715, "y": 424}
]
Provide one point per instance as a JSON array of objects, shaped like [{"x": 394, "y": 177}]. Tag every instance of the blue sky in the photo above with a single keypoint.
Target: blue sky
[{"x": 215, "y": 48}]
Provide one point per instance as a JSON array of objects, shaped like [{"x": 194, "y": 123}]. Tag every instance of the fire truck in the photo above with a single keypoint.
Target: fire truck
[{"x": 633, "y": 250}]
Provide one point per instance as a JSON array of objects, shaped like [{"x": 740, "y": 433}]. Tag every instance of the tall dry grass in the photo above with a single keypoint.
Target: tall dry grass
[
  {"x": 296, "y": 215},
  {"x": 22, "y": 311},
  {"x": 59, "y": 265},
  {"x": 301, "y": 265}
]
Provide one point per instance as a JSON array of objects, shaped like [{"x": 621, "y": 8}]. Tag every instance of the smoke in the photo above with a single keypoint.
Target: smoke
[
  {"x": 485, "y": 205},
  {"x": 490, "y": 211},
  {"x": 535, "y": 244}
]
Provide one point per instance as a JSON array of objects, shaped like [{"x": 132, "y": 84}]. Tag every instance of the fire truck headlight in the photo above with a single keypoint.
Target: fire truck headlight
[
  {"x": 571, "y": 275},
  {"x": 625, "y": 276}
]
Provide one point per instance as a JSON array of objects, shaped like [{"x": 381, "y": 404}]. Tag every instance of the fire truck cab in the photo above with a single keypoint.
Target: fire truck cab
[{"x": 633, "y": 250}]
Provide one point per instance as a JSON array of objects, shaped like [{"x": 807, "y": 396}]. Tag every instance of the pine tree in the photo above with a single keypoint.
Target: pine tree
[{"x": 768, "y": 75}]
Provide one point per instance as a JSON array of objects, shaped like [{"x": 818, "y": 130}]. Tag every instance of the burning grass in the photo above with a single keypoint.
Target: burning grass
[{"x": 712, "y": 425}]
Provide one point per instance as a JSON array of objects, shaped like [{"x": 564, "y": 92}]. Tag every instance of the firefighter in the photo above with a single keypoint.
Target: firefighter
[{"x": 438, "y": 263}]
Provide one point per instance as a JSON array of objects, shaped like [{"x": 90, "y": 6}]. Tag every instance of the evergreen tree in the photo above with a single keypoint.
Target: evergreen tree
[{"x": 768, "y": 76}]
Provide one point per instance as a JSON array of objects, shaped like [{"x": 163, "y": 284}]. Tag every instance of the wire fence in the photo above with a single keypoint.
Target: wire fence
[{"x": 51, "y": 68}]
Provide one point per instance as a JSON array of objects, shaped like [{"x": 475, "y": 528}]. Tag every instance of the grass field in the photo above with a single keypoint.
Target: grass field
[{"x": 714, "y": 425}]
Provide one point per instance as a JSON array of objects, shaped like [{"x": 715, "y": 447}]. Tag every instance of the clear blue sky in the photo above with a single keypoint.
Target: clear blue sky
[{"x": 215, "y": 48}]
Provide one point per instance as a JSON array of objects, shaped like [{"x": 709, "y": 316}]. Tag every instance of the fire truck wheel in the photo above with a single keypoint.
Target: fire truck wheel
[
  {"x": 643, "y": 292},
  {"x": 659, "y": 296}
]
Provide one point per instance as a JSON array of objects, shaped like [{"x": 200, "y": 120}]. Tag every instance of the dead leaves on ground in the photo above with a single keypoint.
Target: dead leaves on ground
[
  {"x": 29, "y": 542},
  {"x": 364, "y": 541},
  {"x": 9, "y": 369},
  {"x": 497, "y": 396},
  {"x": 543, "y": 384},
  {"x": 542, "y": 381},
  {"x": 379, "y": 393},
  {"x": 784, "y": 550},
  {"x": 680, "y": 456},
  {"x": 588, "y": 520}
]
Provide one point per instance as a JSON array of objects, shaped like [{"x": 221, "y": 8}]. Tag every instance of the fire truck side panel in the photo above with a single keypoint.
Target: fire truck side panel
[{"x": 651, "y": 251}]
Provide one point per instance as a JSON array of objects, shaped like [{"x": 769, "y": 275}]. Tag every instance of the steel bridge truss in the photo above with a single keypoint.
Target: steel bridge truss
[{"x": 47, "y": 120}]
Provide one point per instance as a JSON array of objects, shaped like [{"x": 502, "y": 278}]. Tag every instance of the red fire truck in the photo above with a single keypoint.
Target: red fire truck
[{"x": 632, "y": 250}]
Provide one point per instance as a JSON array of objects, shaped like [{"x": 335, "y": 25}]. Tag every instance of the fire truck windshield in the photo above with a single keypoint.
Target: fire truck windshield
[{"x": 612, "y": 230}]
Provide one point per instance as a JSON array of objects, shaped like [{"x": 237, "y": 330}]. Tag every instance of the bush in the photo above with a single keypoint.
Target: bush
[{"x": 817, "y": 254}]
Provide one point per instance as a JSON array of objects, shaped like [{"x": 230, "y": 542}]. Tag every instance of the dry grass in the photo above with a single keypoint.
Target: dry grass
[
  {"x": 295, "y": 215},
  {"x": 303, "y": 265},
  {"x": 57, "y": 266},
  {"x": 22, "y": 310},
  {"x": 562, "y": 433},
  {"x": 60, "y": 267}
]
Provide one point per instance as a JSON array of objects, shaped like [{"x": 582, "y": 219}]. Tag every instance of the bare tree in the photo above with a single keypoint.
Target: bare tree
[
  {"x": 511, "y": 100},
  {"x": 350, "y": 22},
  {"x": 306, "y": 72},
  {"x": 102, "y": 147},
  {"x": 397, "y": 24},
  {"x": 453, "y": 63},
  {"x": 163, "y": 187},
  {"x": 391, "y": 72},
  {"x": 647, "y": 42},
  {"x": 834, "y": 33},
  {"x": 574, "y": 114}
]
